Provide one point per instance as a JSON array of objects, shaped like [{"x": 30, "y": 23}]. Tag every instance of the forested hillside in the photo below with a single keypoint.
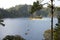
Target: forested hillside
[{"x": 23, "y": 11}]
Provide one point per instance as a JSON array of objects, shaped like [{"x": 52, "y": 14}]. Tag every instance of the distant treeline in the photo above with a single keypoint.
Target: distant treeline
[{"x": 23, "y": 11}]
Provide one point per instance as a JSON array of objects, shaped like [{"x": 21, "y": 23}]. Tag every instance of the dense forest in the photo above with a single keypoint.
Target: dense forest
[{"x": 23, "y": 11}]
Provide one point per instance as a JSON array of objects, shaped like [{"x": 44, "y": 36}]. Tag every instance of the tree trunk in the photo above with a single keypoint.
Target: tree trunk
[{"x": 51, "y": 19}]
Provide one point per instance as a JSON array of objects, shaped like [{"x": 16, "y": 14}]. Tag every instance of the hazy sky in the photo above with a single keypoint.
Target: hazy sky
[{"x": 9, "y": 3}]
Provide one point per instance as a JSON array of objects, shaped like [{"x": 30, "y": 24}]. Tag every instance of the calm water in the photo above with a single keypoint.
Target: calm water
[{"x": 20, "y": 26}]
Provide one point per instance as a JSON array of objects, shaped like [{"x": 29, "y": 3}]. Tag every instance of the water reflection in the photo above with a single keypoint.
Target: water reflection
[{"x": 32, "y": 28}]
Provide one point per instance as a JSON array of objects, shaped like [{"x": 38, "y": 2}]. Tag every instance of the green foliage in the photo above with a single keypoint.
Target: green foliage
[
  {"x": 49, "y": 5},
  {"x": 58, "y": 8},
  {"x": 23, "y": 11},
  {"x": 12, "y": 37},
  {"x": 57, "y": 30},
  {"x": 36, "y": 6}
]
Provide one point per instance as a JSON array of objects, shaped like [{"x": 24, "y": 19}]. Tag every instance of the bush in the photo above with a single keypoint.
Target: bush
[{"x": 12, "y": 37}]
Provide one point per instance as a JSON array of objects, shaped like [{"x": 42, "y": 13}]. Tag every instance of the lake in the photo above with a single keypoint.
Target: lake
[{"x": 21, "y": 26}]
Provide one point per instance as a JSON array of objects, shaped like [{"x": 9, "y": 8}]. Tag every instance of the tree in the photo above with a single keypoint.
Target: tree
[
  {"x": 52, "y": 11},
  {"x": 36, "y": 6}
]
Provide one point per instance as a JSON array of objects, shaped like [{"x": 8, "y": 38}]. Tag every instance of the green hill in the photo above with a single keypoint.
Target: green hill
[{"x": 23, "y": 11}]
